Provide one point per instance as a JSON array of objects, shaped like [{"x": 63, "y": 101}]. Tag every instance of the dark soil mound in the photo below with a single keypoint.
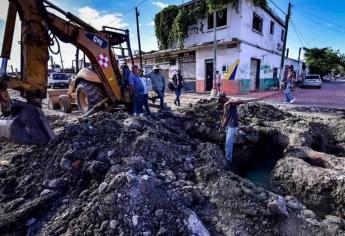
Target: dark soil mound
[{"x": 115, "y": 174}]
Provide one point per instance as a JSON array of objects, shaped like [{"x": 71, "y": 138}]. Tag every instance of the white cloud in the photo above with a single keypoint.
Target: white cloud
[
  {"x": 98, "y": 19},
  {"x": 152, "y": 23},
  {"x": 161, "y": 5}
]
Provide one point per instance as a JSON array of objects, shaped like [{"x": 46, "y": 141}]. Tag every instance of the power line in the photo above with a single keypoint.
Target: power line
[
  {"x": 321, "y": 19},
  {"x": 133, "y": 8},
  {"x": 318, "y": 22},
  {"x": 277, "y": 7},
  {"x": 298, "y": 34},
  {"x": 129, "y": 11}
]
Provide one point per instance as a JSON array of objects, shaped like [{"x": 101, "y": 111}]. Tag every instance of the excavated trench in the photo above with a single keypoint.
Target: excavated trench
[
  {"x": 256, "y": 151},
  {"x": 257, "y": 159},
  {"x": 322, "y": 138}
]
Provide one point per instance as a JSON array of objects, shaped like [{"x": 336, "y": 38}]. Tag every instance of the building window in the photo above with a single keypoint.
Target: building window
[
  {"x": 173, "y": 62},
  {"x": 221, "y": 19},
  {"x": 257, "y": 23},
  {"x": 282, "y": 35},
  {"x": 272, "y": 28}
]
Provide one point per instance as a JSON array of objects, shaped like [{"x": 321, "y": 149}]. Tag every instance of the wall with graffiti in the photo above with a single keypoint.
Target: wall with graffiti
[{"x": 237, "y": 68}]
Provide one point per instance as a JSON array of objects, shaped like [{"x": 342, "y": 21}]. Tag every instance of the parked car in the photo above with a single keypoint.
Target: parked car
[
  {"x": 59, "y": 80},
  {"x": 312, "y": 81}
]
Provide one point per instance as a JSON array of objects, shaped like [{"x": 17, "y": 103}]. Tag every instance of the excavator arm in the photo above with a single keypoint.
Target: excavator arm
[{"x": 24, "y": 122}]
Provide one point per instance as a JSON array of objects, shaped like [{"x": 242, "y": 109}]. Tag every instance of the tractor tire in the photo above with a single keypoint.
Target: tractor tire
[
  {"x": 88, "y": 95},
  {"x": 65, "y": 103}
]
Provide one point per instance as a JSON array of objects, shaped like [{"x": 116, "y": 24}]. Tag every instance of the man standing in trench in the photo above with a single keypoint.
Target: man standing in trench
[{"x": 230, "y": 121}]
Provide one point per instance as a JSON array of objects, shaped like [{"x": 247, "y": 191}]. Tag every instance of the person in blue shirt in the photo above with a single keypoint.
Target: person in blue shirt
[
  {"x": 144, "y": 101},
  {"x": 158, "y": 84},
  {"x": 137, "y": 90}
]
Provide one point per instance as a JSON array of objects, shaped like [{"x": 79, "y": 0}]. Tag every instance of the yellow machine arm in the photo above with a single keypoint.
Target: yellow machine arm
[{"x": 24, "y": 122}]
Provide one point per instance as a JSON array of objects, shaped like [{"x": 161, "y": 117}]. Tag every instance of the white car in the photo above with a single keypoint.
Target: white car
[
  {"x": 312, "y": 80},
  {"x": 59, "y": 80}
]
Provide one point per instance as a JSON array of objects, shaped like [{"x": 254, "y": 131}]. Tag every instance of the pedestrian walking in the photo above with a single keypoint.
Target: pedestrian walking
[
  {"x": 230, "y": 121},
  {"x": 158, "y": 84},
  {"x": 178, "y": 84},
  {"x": 218, "y": 81},
  {"x": 291, "y": 77},
  {"x": 137, "y": 90}
]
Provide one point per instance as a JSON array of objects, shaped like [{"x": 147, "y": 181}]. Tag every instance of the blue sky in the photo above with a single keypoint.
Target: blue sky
[{"x": 319, "y": 22}]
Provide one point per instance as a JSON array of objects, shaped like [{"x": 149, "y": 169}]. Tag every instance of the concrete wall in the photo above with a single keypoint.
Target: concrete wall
[
  {"x": 264, "y": 46},
  {"x": 224, "y": 33},
  {"x": 268, "y": 62},
  {"x": 264, "y": 39},
  {"x": 225, "y": 56},
  {"x": 244, "y": 53},
  {"x": 239, "y": 25}
]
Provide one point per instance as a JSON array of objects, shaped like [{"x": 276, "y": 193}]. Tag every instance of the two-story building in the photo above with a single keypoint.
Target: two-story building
[
  {"x": 249, "y": 47},
  {"x": 250, "y": 40}
]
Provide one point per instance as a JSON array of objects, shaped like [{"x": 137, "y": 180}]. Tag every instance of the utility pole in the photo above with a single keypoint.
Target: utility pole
[
  {"x": 62, "y": 68},
  {"x": 287, "y": 19},
  {"x": 299, "y": 61},
  {"x": 214, "y": 90},
  {"x": 77, "y": 61},
  {"x": 52, "y": 62},
  {"x": 138, "y": 33}
]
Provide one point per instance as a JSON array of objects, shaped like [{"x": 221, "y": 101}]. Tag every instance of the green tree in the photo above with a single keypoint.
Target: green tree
[
  {"x": 163, "y": 25},
  {"x": 324, "y": 61}
]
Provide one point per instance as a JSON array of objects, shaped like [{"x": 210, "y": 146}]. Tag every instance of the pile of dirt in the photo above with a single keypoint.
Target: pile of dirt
[
  {"x": 116, "y": 174},
  {"x": 316, "y": 178}
]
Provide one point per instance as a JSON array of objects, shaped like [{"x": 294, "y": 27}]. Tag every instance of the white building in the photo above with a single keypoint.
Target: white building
[{"x": 250, "y": 42}]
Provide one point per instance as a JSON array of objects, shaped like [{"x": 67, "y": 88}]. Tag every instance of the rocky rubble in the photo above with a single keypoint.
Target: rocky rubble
[{"x": 160, "y": 175}]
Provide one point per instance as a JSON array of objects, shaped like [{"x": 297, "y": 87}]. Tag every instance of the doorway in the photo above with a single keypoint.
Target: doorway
[
  {"x": 209, "y": 74},
  {"x": 255, "y": 73}
]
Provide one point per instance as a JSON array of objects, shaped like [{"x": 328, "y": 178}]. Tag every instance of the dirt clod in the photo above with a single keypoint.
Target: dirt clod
[{"x": 158, "y": 175}]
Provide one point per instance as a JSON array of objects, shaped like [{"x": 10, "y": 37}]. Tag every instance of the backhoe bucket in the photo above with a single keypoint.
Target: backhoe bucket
[{"x": 26, "y": 125}]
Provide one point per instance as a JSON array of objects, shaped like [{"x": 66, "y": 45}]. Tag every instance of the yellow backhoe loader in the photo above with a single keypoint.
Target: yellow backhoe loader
[{"x": 24, "y": 122}]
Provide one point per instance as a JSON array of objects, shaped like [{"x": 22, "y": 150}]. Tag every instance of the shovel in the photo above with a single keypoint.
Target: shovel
[{"x": 26, "y": 125}]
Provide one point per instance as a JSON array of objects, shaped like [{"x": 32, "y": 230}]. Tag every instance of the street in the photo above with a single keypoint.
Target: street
[{"x": 331, "y": 95}]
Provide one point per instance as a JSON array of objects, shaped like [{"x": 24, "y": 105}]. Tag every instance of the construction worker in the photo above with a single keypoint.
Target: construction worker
[
  {"x": 230, "y": 122},
  {"x": 137, "y": 89},
  {"x": 158, "y": 84},
  {"x": 144, "y": 100}
]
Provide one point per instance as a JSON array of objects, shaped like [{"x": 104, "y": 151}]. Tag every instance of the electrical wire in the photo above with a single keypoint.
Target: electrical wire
[
  {"x": 321, "y": 19},
  {"x": 298, "y": 34},
  {"x": 277, "y": 7},
  {"x": 129, "y": 11},
  {"x": 318, "y": 22}
]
